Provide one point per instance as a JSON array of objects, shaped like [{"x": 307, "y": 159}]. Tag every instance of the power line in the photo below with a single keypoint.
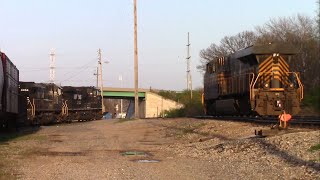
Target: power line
[{"x": 84, "y": 67}]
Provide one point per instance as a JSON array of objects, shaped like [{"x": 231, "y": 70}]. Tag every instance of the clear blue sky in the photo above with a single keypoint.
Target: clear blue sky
[{"x": 77, "y": 28}]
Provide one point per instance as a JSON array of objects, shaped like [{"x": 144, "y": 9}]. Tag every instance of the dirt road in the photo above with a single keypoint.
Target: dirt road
[{"x": 156, "y": 149}]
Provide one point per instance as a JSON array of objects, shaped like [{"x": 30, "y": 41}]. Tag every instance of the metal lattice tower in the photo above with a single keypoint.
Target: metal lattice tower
[
  {"x": 52, "y": 65},
  {"x": 189, "y": 79}
]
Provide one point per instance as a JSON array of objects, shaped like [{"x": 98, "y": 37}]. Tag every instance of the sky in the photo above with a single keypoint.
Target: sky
[{"x": 76, "y": 29}]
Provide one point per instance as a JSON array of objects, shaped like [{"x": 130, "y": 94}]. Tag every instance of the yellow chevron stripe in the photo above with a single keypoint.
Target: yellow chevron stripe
[
  {"x": 262, "y": 66},
  {"x": 284, "y": 62},
  {"x": 265, "y": 61}
]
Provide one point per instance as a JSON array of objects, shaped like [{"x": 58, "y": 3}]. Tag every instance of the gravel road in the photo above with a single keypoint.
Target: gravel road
[{"x": 162, "y": 149}]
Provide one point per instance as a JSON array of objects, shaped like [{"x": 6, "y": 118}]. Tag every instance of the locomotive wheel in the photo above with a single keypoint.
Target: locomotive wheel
[{"x": 210, "y": 108}]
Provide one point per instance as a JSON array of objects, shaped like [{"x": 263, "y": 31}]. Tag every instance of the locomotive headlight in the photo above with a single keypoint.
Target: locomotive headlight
[{"x": 278, "y": 103}]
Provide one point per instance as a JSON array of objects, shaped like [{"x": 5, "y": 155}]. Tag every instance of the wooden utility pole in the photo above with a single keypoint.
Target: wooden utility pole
[
  {"x": 136, "y": 98},
  {"x": 97, "y": 74},
  {"x": 101, "y": 82}
]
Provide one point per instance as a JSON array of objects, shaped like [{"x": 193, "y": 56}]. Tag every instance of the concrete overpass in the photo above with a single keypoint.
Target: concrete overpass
[
  {"x": 124, "y": 93},
  {"x": 151, "y": 105}
]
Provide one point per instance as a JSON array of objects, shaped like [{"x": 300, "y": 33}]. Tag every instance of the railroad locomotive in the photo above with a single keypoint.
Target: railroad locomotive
[
  {"x": 49, "y": 103},
  {"x": 253, "y": 81}
]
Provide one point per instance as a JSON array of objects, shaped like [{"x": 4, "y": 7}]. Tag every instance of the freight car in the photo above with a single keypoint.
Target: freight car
[
  {"x": 49, "y": 103},
  {"x": 9, "y": 78},
  {"x": 256, "y": 80}
]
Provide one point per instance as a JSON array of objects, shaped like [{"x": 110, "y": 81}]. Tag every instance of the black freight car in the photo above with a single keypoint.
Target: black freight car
[
  {"x": 254, "y": 80},
  {"x": 9, "y": 89}
]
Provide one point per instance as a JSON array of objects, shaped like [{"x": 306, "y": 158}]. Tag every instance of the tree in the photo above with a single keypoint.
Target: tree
[
  {"x": 301, "y": 32},
  {"x": 228, "y": 45}
]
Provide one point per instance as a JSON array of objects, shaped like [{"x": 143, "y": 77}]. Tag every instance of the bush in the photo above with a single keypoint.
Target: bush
[
  {"x": 312, "y": 99},
  {"x": 192, "y": 107}
]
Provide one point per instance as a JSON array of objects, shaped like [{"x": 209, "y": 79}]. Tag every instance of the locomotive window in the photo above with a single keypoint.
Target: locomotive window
[{"x": 210, "y": 68}]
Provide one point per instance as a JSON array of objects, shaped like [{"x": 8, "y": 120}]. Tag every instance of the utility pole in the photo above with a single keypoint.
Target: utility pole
[
  {"x": 189, "y": 79},
  {"x": 136, "y": 98},
  {"x": 52, "y": 65},
  {"x": 97, "y": 74},
  {"x": 101, "y": 82},
  {"x": 121, "y": 103}
]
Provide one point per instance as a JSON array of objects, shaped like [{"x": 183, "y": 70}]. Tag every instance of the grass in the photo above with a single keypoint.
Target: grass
[
  {"x": 19, "y": 137},
  {"x": 315, "y": 148},
  {"x": 10, "y": 152},
  {"x": 7, "y": 165}
]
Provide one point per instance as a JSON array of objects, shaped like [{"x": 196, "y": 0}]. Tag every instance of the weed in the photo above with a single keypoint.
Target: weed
[{"x": 315, "y": 148}]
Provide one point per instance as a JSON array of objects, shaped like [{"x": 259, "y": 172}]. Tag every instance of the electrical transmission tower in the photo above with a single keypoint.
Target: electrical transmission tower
[
  {"x": 189, "y": 79},
  {"x": 52, "y": 65}
]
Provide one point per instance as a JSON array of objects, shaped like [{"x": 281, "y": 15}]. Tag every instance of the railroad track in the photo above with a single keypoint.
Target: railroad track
[{"x": 296, "y": 120}]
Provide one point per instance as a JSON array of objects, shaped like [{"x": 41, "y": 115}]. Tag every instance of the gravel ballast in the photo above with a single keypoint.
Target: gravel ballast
[{"x": 161, "y": 149}]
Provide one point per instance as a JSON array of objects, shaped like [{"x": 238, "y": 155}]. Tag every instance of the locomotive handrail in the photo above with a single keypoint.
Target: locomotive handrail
[
  {"x": 67, "y": 109},
  {"x": 300, "y": 85},
  {"x": 252, "y": 87},
  {"x": 62, "y": 110},
  {"x": 298, "y": 79},
  {"x": 34, "y": 108},
  {"x": 251, "y": 81}
]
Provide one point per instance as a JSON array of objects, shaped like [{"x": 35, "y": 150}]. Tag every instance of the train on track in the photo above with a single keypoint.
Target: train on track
[
  {"x": 253, "y": 81},
  {"x": 29, "y": 103},
  {"x": 49, "y": 103}
]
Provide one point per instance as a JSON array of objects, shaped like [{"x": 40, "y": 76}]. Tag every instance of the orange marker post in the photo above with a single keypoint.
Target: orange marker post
[{"x": 284, "y": 118}]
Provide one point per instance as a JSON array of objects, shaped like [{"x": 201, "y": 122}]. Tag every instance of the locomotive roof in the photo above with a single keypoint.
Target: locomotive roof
[{"x": 265, "y": 49}]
